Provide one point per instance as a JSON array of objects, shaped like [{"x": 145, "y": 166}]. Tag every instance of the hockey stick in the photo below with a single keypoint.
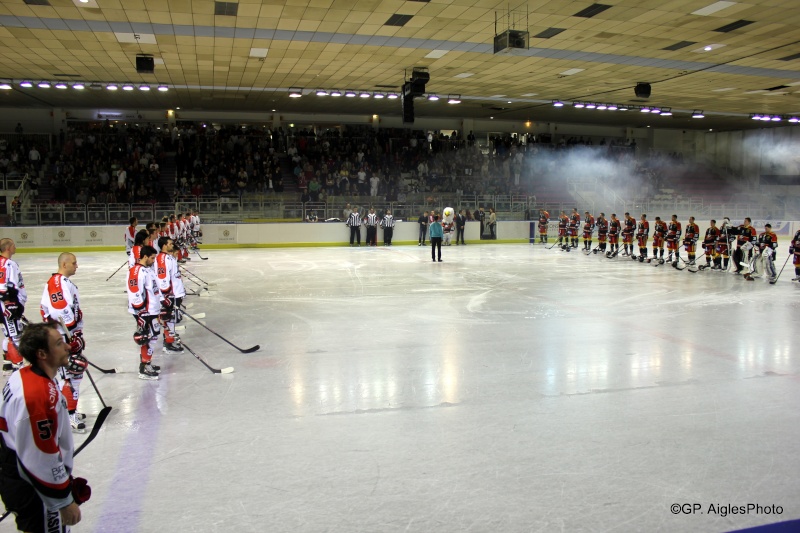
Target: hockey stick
[
  {"x": 196, "y": 276},
  {"x": 203, "y": 287},
  {"x": 227, "y": 370},
  {"x": 781, "y": 272},
  {"x": 117, "y": 270},
  {"x": 105, "y": 370},
  {"x": 95, "y": 388},
  {"x": 195, "y": 250},
  {"x": 696, "y": 266},
  {"x": 248, "y": 350},
  {"x": 101, "y": 418}
]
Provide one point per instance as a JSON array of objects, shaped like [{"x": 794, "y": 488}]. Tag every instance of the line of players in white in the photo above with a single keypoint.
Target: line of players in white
[
  {"x": 155, "y": 292},
  {"x": 154, "y": 285},
  {"x": 754, "y": 251}
]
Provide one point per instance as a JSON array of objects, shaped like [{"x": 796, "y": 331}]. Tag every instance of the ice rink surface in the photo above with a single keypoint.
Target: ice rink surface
[{"x": 507, "y": 389}]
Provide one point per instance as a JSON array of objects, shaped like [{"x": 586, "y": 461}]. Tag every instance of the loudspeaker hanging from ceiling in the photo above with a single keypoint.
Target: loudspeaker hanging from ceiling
[
  {"x": 145, "y": 64},
  {"x": 642, "y": 90}
]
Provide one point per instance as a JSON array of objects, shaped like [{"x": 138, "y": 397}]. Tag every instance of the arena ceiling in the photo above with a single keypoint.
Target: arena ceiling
[{"x": 728, "y": 59}]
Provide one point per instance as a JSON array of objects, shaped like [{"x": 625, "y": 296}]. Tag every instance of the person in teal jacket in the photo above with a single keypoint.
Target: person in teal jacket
[{"x": 436, "y": 234}]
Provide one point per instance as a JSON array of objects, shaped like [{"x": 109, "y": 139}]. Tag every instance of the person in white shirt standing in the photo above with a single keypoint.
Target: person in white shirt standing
[
  {"x": 13, "y": 297},
  {"x": 144, "y": 303}
]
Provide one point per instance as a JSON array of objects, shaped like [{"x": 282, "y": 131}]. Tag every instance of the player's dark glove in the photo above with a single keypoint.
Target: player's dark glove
[
  {"x": 14, "y": 309},
  {"x": 81, "y": 491},
  {"x": 77, "y": 344}
]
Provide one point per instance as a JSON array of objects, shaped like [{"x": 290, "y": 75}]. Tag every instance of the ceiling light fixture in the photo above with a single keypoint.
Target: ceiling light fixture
[
  {"x": 433, "y": 98},
  {"x": 794, "y": 120},
  {"x": 578, "y": 105},
  {"x": 645, "y": 110},
  {"x": 612, "y": 107},
  {"x": 666, "y": 112},
  {"x": 61, "y": 85},
  {"x": 591, "y": 106},
  {"x": 602, "y": 107},
  {"x": 364, "y": 94},
  {"x": 78, "y": 86},
  {"x": 655, "y": 111},
  {"x": 755, "y": 117},
  {"x": 558, "y": 103},
  {"x": 336, "y": 92},
  {"x": 26, "y": 84},
  {"x": 378, "y": 96},
  {"x": 322, "y": 92},
  {"x": 163, "y": 88},
  {"x": 112, "y": 87},
  {"x": 350, "y": 94},
  {"x": 392, "y": 96},
  {"x": 127, "y": 87},
  {"x": 295, "y": 92},
  {"x": 43, "y": 84},
  {"x": 623, "y": 108},
  {"x": 776, "y": 118},
  {"x": 454, "y": 99},
  {"x": 698, "y": 113},
  {"x": 144, "y": 87},
  {"x": 5, "y": 86}
]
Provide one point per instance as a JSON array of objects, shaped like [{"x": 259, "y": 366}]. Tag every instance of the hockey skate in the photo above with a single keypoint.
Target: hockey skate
[
  {"x": 796, "y": 279},
  {"x": 173, "y": 347},
  {"x": 146, "y": 371},
  {"x": 77, "y": 425}
]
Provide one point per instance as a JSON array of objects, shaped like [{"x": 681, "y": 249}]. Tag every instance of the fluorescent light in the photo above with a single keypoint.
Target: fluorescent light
[
  {"x": 127, "y": 87},
  {"x": 755, "y": 117},
  {"x": 666, "y": 112},
  {"x": 5, "y": 86},
  {"x": 623, "y": 108},
  {"x": 433, "y": 97},
  {"x": 697, "y": 113},
  {"x": 79, "y": 86},
  {"x": 26, "y": 84},
  {"x": 61, "y": 85},
  {"x": 454, "y": 99},
  {"x": 602, "y": 107},
  {"x": 655, "y": 111},
  {"x": 163, "y": 88},
  {"x": 794, "y": 120},
  {"x": 612, "y": 107},
  {"x": 578, "y": 105},
  {"x": 558, "y": 103},
  {"x": 364, "y": 94},
  {"x": 645, "y": 110},
  {"x": 350, "y": 94},
  {"x": 112, "y": 87},
  {"x": 378, "y": 96},
  {"x": 322, "y": 92},
  {"x": 591, "y": 105},
  {"x": 776, "y": 118},
  {"x": 295, "y": 92},
  {"x": 336, "y": 92},
  {"x": 43, "y": 84},
  {"x": 713, "y": 8},
  {"x": 436, "y": 54},
  {"x": 144, "y": 87},
  {"x": 392, "y": 96}
]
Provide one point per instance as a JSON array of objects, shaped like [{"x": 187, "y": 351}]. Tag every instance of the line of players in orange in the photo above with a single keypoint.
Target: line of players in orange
[{"x": 717, "y": 243}]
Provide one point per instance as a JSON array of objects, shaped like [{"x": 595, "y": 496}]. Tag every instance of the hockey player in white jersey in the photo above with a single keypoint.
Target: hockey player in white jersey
[
  {"x": 61, "y": 305},
  {"x": 144, "y": 303},
  {"x": 13, "y": 297},
  {"x": 169, "y": 280},
  {"x": 130, "y": 235}
]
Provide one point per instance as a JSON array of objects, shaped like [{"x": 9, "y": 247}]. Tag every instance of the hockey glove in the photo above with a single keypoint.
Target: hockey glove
[
  {"x": 14, "y": 310},
  {"x": 77, "y": 344},
  {"x": 81, "y": 491},
  {"x": 77, "y": 365}
]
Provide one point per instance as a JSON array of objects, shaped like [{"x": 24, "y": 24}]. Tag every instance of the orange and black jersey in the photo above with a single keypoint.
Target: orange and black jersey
[
  {"x": 563, "y": 220},
  {"x": 643, "y": 229},
  {"x": 602, "y": 226},
  {"x": 767, "y": 240},
  {"x": 692, "y": 231},
  {"x": 746, "y": 234},
  {"x": 673, "y": 230},
  {"x": 544, "y": 218},
  {"x": 588, "y": 223},
  {"x": 660, "y": 229},
  {"x": 628, "y": 225},
  {"x": 613, "y": 227},
  {"x": 712, "y": 234},
  {"x": 574, "y": 220}
]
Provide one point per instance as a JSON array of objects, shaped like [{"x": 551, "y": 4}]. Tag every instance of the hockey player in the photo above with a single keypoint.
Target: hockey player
[
  {"x": 142, "y": 239},
  {"x": 61, "y": 305},
  {"x": 36, "y": 480},
  {"x": 690, "y": 239},
  {"x": 13, "y": 297},
  {"x": 673, "y": 237},
  {"x": 588, "y": 229},
  {"x": 722, "y": 250},
  {"x": 572, "y": 229},
  {"x": 563, "y": 221},
  {"x": 659, "y": 234},
  {"x": 130, "y": 235},
  {"x": 642, "y": 233},
  {"x": 602, "y": 232},
  {"x": 628, "y": 228},
  {"x": 709, "y": 242},
  {"x": 767, "y": 246},
  {"x": 144, "y": 303},
  {"x": 544, "y": 220},
  {"x": 794, "y": 250},
  {"x": 371, "y": 221},
  {"x": 196, "y": 230},
  {"x": 613, "y": 236},
  {"x": 746, "y": 236},
  {"x": 169, "y": 280}
]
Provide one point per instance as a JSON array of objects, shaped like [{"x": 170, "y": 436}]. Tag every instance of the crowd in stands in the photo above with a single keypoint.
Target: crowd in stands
[{"x": 111, "y": 164}]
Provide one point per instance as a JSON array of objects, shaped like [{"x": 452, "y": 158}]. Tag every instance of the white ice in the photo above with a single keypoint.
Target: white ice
[{"x": 509, "y": 388}]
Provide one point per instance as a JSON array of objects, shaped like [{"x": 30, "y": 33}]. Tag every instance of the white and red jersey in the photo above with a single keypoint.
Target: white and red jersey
[
  {"x": 60, "y": 301},
  {"x": 168, "y": 276},
  {"x": 34, "y": 423},
  {"x": 10, "y": 279},
  {"x": 134, "y": 257},
  {"x": 130, "y": 234},
  {"x": 144, "y": 296},
  {"x": 172, "y": 231},
  {"x": 195, "y": 220}
]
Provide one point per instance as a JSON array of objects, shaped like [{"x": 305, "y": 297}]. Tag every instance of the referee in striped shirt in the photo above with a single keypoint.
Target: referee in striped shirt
[
  {"x": 372, "y": 228},
  {"x": 388, "y": 228},
  {"x": 355, "y": 226}
]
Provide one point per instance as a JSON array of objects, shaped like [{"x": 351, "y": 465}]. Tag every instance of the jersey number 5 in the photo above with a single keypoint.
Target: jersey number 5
[{"x": 45, "y": 429}]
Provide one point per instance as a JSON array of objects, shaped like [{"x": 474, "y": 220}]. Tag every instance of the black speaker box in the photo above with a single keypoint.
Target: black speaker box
[
  {"x": 145, "y": 64},
  {"x": 408, "y": 110},
  {"x": 642, "y": 90}
]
